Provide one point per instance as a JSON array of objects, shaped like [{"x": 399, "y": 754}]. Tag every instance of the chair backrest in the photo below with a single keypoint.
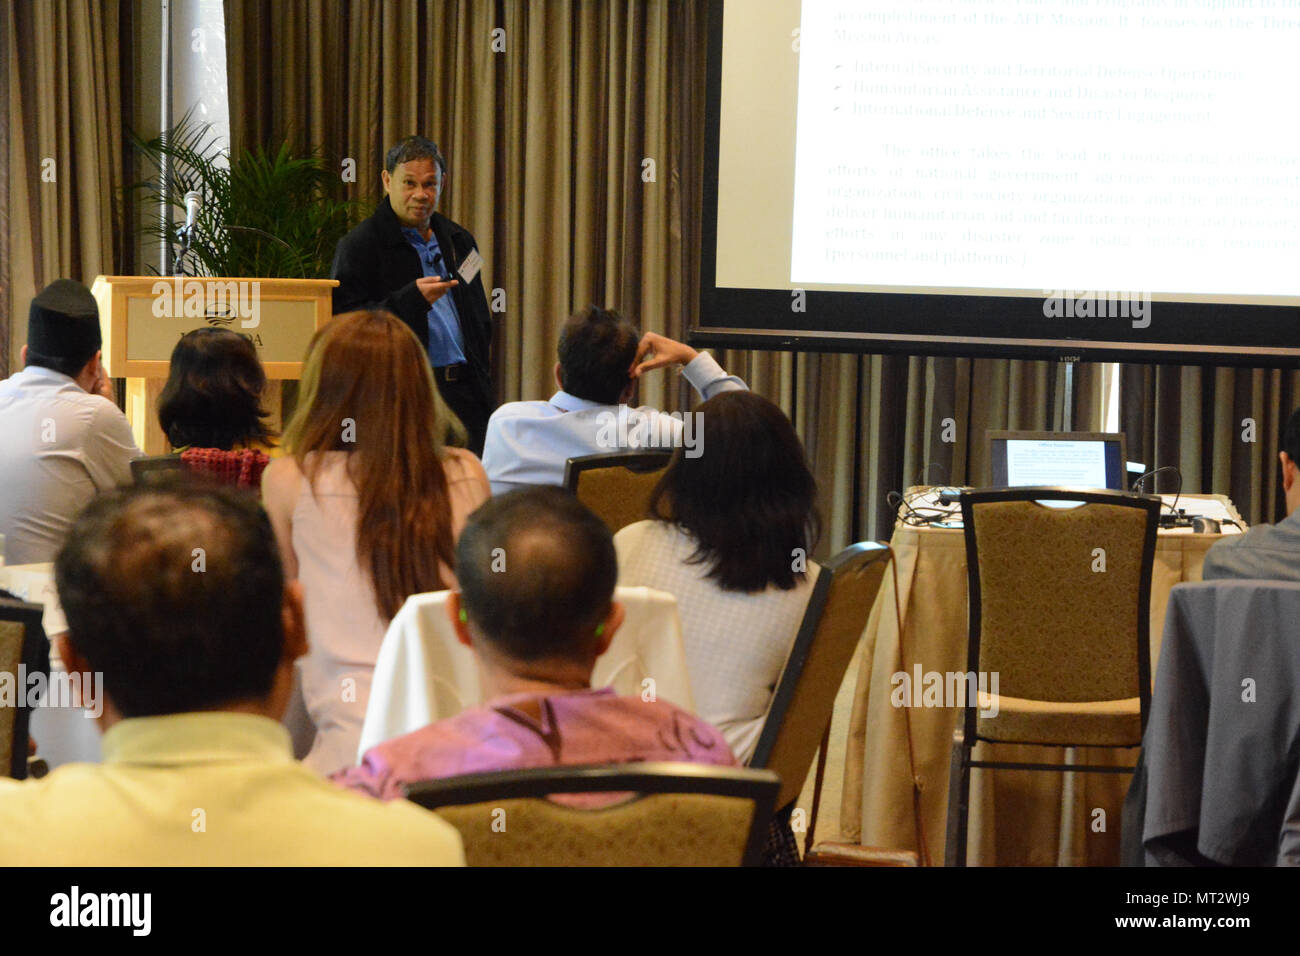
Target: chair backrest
[
  {"x": 616, "y": 485},
  {"x": 805, "y": 695},
  {"x": 678, "y": 814},
  {"x": 1060, "y": 596},
  {"x": 24, "y": 651},
  {"x": 241, "y": 468},
  {"x": 146, "y": 469}
]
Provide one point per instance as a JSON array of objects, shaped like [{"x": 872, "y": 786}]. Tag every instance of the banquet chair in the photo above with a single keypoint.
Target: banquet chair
[
  {"x": 616, "y": 485},
  {"x": 674, "y": 814},
  {"x": 24, "y": 650},
  {"x": 151, "y": 467},
  {"x": 797, "y": 726},
  {"x": 1059, "y": 615}
]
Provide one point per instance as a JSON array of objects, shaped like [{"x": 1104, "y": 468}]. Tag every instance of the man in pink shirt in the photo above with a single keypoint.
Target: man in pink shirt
[{"x": 537, "y": 572}]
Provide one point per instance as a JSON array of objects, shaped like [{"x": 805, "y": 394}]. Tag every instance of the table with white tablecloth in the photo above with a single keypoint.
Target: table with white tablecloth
[
  {"x": 1016, "y": 817},
  {"x": 425, "y": 674}
]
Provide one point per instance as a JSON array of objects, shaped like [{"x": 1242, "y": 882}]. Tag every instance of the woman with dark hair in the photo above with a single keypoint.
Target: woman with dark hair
[
  {"x": 213, "y": 395},
  {"x": 211, "y": 407},
  {"x": 366, "y": 506},
  {"x": 730, "y": 533}
]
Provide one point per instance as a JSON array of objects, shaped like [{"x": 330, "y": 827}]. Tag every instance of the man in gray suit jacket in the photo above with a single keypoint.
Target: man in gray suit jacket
[{"x": 1269, "y": 551}]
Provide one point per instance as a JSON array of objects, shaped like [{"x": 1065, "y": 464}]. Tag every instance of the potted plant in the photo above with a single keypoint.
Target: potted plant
[{"x": 265, "y": 212}]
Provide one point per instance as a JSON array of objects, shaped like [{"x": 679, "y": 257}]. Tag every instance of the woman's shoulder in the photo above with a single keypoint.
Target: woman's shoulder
[
  {"x": 454, "y": 457},
  {"x": 280, "y": 480},
  {"x": 328, "y": 472},
  {"x": 636, "y": 531},
  {"x": 461, "y": 464},
  {"x": 465, "y": 475},
  {"x": 281, "y": 469},
  {"x": 652, "y": 533}
]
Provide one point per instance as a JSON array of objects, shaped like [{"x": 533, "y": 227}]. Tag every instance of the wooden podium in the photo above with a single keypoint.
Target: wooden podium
[{"x": 143, "y": 317}]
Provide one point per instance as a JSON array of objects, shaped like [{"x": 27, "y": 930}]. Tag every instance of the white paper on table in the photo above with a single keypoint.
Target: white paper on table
[{"x": 34, "y": 583}]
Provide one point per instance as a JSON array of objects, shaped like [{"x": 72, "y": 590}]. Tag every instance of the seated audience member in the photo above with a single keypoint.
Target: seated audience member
[
  {"x": 1269, "y": 551},
  {"x": 193, "y": 665},
  {"x": 730, "y": 535},
  {"x": 537, "y": 621},
  {"x": 366, "y": 506},
  {"x": 62, "y": 437},
  {"x": 601, "y": 357},
  {"x": 211, "y": 407}
]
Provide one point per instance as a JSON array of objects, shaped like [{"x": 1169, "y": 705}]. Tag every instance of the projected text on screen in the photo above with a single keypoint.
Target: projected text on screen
[{"x": 1089, "y": 147}]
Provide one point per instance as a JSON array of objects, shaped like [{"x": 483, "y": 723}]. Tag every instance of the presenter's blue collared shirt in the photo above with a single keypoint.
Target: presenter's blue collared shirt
[
  {"x": 528, "y": 442},
  {"x": 445, "y": 343}
]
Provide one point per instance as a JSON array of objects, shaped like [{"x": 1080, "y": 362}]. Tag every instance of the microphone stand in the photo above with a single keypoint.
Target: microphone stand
[{"x": 185, "y": 236}]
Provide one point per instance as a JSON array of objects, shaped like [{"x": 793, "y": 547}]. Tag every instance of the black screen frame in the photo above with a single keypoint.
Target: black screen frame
[{"x": 1180, "y": 333}]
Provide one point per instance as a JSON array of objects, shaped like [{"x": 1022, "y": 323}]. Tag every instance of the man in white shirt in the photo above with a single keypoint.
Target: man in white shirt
[
  {"x": 62, "y": 438},
  {"x": 601, "y": 357}
]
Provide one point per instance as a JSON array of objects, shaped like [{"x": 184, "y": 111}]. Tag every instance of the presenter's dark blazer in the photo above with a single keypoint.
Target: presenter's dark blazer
[{"x": 377, "y": 269}]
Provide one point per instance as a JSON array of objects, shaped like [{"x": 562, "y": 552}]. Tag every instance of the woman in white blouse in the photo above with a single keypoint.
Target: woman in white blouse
[{"x": 730, "y": 534}]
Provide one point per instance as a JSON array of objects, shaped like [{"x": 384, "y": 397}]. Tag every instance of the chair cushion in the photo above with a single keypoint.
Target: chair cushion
[
  {"x": 1104, "y": 723},
  {"x": 853, "y": 854}
]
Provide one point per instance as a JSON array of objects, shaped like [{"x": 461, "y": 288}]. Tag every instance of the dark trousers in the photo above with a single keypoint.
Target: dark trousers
[{"x": 466, "y": 396}]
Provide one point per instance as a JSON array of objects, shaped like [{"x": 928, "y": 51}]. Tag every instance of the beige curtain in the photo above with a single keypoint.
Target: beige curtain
[
  {"x": 65, "y": 147},
  {"x": 546, "y": 126},
  {"x": 1221, "y": 427}
]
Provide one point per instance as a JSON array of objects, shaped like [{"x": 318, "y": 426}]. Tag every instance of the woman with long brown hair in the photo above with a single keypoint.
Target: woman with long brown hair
[{"x": 366, "y": 508}]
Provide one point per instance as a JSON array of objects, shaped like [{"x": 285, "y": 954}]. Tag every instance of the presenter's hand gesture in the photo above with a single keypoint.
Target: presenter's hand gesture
[
  {"x": 433, "y": 288},
  {"x": 656, "y": 351}
]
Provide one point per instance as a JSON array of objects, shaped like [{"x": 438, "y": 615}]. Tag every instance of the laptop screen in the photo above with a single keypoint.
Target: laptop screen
[{"x": 1072, "y": 459}]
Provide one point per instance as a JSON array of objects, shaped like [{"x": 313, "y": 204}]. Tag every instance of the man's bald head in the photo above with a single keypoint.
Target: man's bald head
[{"x": 537, "y": 573}]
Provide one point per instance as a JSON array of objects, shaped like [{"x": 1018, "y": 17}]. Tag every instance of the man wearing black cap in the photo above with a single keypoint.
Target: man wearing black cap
[
  {"x": 413, "y": 261},
  {"x": 62, "y": 438}
]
